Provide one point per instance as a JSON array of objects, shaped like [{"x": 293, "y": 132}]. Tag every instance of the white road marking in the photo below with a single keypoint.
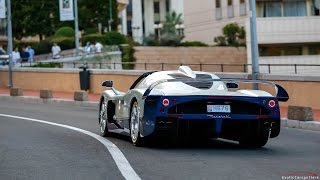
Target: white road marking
[{"x": 120, "y": 160}]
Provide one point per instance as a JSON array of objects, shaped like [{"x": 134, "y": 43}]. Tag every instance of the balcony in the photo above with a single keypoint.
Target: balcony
[{"x": 277, "y": 30}]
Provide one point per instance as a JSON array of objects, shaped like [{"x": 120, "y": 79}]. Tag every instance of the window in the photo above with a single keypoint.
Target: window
[
  {"x": 243, "y": 8},
  {"x": 3, "y": 27},
  {"x": 282, "y": 8},
  {"x": 294, "y": 8},
  {"x": 230, "y": 9},
  {"x": 289, "y": 50},
  {"x": 167, "y": 6},
  {"x": 316, "y": 7},
  {"x": 314, "y": 49},
  {"x": 218, "y": 3},
  {"x": 218, "y": 10},
  {"x": 156, "y": 7}
]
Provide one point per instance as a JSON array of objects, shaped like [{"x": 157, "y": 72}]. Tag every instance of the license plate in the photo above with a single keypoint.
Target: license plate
[{"x": 219, "y": 108}]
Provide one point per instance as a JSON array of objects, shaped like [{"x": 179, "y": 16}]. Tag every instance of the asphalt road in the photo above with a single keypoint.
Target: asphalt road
[{"x": 32, "y": 150}]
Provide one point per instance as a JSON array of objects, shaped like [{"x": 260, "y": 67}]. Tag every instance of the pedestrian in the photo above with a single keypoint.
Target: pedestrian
[
  {"x": 16, "y": 56},
  {"x": 87, "y": 48},
  {"x": 31, "y": 53},
  {"x": 98, "y": 46},
  {"x": 55, "y": 51},
  {"x": 25, "y": 55}
]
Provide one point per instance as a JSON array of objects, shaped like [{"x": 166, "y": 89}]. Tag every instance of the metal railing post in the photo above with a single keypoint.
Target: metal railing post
[
  {"x": 269, "y": 68},
  {"x": 295, "y": 69}
]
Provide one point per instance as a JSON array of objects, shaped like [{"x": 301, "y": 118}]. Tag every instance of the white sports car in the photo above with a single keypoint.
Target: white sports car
[{"x": 191, "y": 104}]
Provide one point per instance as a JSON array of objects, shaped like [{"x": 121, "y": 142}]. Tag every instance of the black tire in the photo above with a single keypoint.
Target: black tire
[
  {"x": 256, "y": 137},
  {"x": 103, "y": 121},
  {"x": 134, "y": 125}
]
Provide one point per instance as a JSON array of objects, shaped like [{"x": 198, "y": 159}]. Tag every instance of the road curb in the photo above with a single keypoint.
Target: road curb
[
  {"x": 38, "y": 100},
  {"x": 306, "y": 125}
]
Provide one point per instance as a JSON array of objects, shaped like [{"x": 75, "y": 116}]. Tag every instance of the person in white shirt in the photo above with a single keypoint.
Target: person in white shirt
[
  {"x": 55, "y": 51},
  {"x": 98, "y": 47},
  {"x": 16, "y": 56}
]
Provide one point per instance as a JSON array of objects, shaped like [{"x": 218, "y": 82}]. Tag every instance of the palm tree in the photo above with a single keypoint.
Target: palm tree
[
  {"x": 172, "y": 19},
  {"x": 169, "y": 34}
]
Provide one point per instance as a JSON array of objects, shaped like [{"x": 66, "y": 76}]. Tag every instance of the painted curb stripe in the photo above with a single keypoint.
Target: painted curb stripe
[{"x": 118, "y": 157}]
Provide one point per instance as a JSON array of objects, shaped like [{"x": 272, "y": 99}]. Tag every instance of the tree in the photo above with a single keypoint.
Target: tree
[
  {"x": 34, "y": 17},
  {"x": 91, "y": 13},
  {"x": 233, "y": 35},
  {"x": 169, "y": 35},
  {"x": 41, "y": 17}
]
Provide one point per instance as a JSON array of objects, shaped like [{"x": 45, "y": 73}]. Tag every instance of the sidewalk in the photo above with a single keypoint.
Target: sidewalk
[
  {"x": 56, "y": 94},
  {"x": 96, "y": 97}
]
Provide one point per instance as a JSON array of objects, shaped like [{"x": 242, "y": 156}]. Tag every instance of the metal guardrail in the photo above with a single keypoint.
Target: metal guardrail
[{"x": 264, "y": 68}]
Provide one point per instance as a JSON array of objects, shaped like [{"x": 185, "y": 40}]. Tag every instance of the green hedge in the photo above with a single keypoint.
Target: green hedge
[
  {"x": 110, "y": 38},
  {"x": 64, "y": 42},
  {"x": 48, "y": 65},
  {"x": 194, "y": 43},
  {"x": 92, "y": 38},
  {"x": 115, "y": 38},
  {"x": 43, "y": 47},
  {"x": 65, "y": 32}
]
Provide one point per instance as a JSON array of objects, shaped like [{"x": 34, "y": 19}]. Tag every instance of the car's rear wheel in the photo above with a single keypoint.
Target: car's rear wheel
[
  {"x": 135, "y": 125},
  {"x": 103, "y": 119},
  {"x": 256, "y": 137}
]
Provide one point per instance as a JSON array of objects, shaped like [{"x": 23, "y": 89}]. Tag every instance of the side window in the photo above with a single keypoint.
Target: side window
[
  {"x": 218, "y": 10},
  {"x": 141, "y": 79},
  {"x": 230, "y": 9},
  {"x": 243, "y": 8}
]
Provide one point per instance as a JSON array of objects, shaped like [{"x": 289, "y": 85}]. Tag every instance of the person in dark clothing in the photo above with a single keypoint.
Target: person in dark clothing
[{"x": 25, "y": 55}]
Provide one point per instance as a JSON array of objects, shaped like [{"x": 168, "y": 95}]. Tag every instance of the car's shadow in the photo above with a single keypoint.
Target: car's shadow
[{"x": 213, "y": 144}]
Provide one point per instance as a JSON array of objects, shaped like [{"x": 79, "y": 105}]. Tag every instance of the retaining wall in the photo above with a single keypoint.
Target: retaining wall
[
  {"x": 156, "y": 57},
  {"x": 303, "y": 90}
]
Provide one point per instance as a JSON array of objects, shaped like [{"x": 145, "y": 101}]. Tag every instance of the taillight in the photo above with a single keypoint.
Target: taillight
[
  {"x": 272, "y": 103},
  {"x": 165, "y": 102}
]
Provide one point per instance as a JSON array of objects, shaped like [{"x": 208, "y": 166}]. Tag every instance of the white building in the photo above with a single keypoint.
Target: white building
[
  {"x": 142, "y": 15},
  {"x": 286, "y": 28}
]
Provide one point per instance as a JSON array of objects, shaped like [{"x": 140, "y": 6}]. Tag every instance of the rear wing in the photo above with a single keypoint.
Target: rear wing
[{"x": 281, "y": 93}]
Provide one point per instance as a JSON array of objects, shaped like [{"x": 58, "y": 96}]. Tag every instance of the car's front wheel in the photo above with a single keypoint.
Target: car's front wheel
[
  {"x": 135, "y": 125},
  {"x": 103, "y": 119}
]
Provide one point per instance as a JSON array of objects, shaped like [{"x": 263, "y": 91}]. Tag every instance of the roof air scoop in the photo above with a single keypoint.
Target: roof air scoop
[{"x": 186, "y": 70}]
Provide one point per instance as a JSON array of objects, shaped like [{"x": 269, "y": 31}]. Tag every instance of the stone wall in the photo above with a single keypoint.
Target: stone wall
[
  {"x": 303, "y": 90},
  {"x": 158, "y": 58}
]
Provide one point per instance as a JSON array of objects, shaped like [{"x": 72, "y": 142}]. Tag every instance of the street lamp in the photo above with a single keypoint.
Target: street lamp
[
  {"x": 158, "y": 28},
  {"x": 180, "y": 29}
]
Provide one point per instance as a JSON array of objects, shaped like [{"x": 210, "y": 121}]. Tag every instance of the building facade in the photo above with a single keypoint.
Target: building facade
[
  {"x": 142, "y": 15},
  {"x": 286, "y": 28}
]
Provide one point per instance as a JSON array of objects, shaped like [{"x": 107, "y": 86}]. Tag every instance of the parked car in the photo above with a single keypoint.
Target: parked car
[
  {"x": 4, "y": 57},
  {"x": 191, "y": 104}
]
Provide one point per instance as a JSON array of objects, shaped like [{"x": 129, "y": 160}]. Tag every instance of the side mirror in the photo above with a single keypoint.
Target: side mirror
[
  {"x": 107, "y": 83},
  {"x": 232, "y": 85}
]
